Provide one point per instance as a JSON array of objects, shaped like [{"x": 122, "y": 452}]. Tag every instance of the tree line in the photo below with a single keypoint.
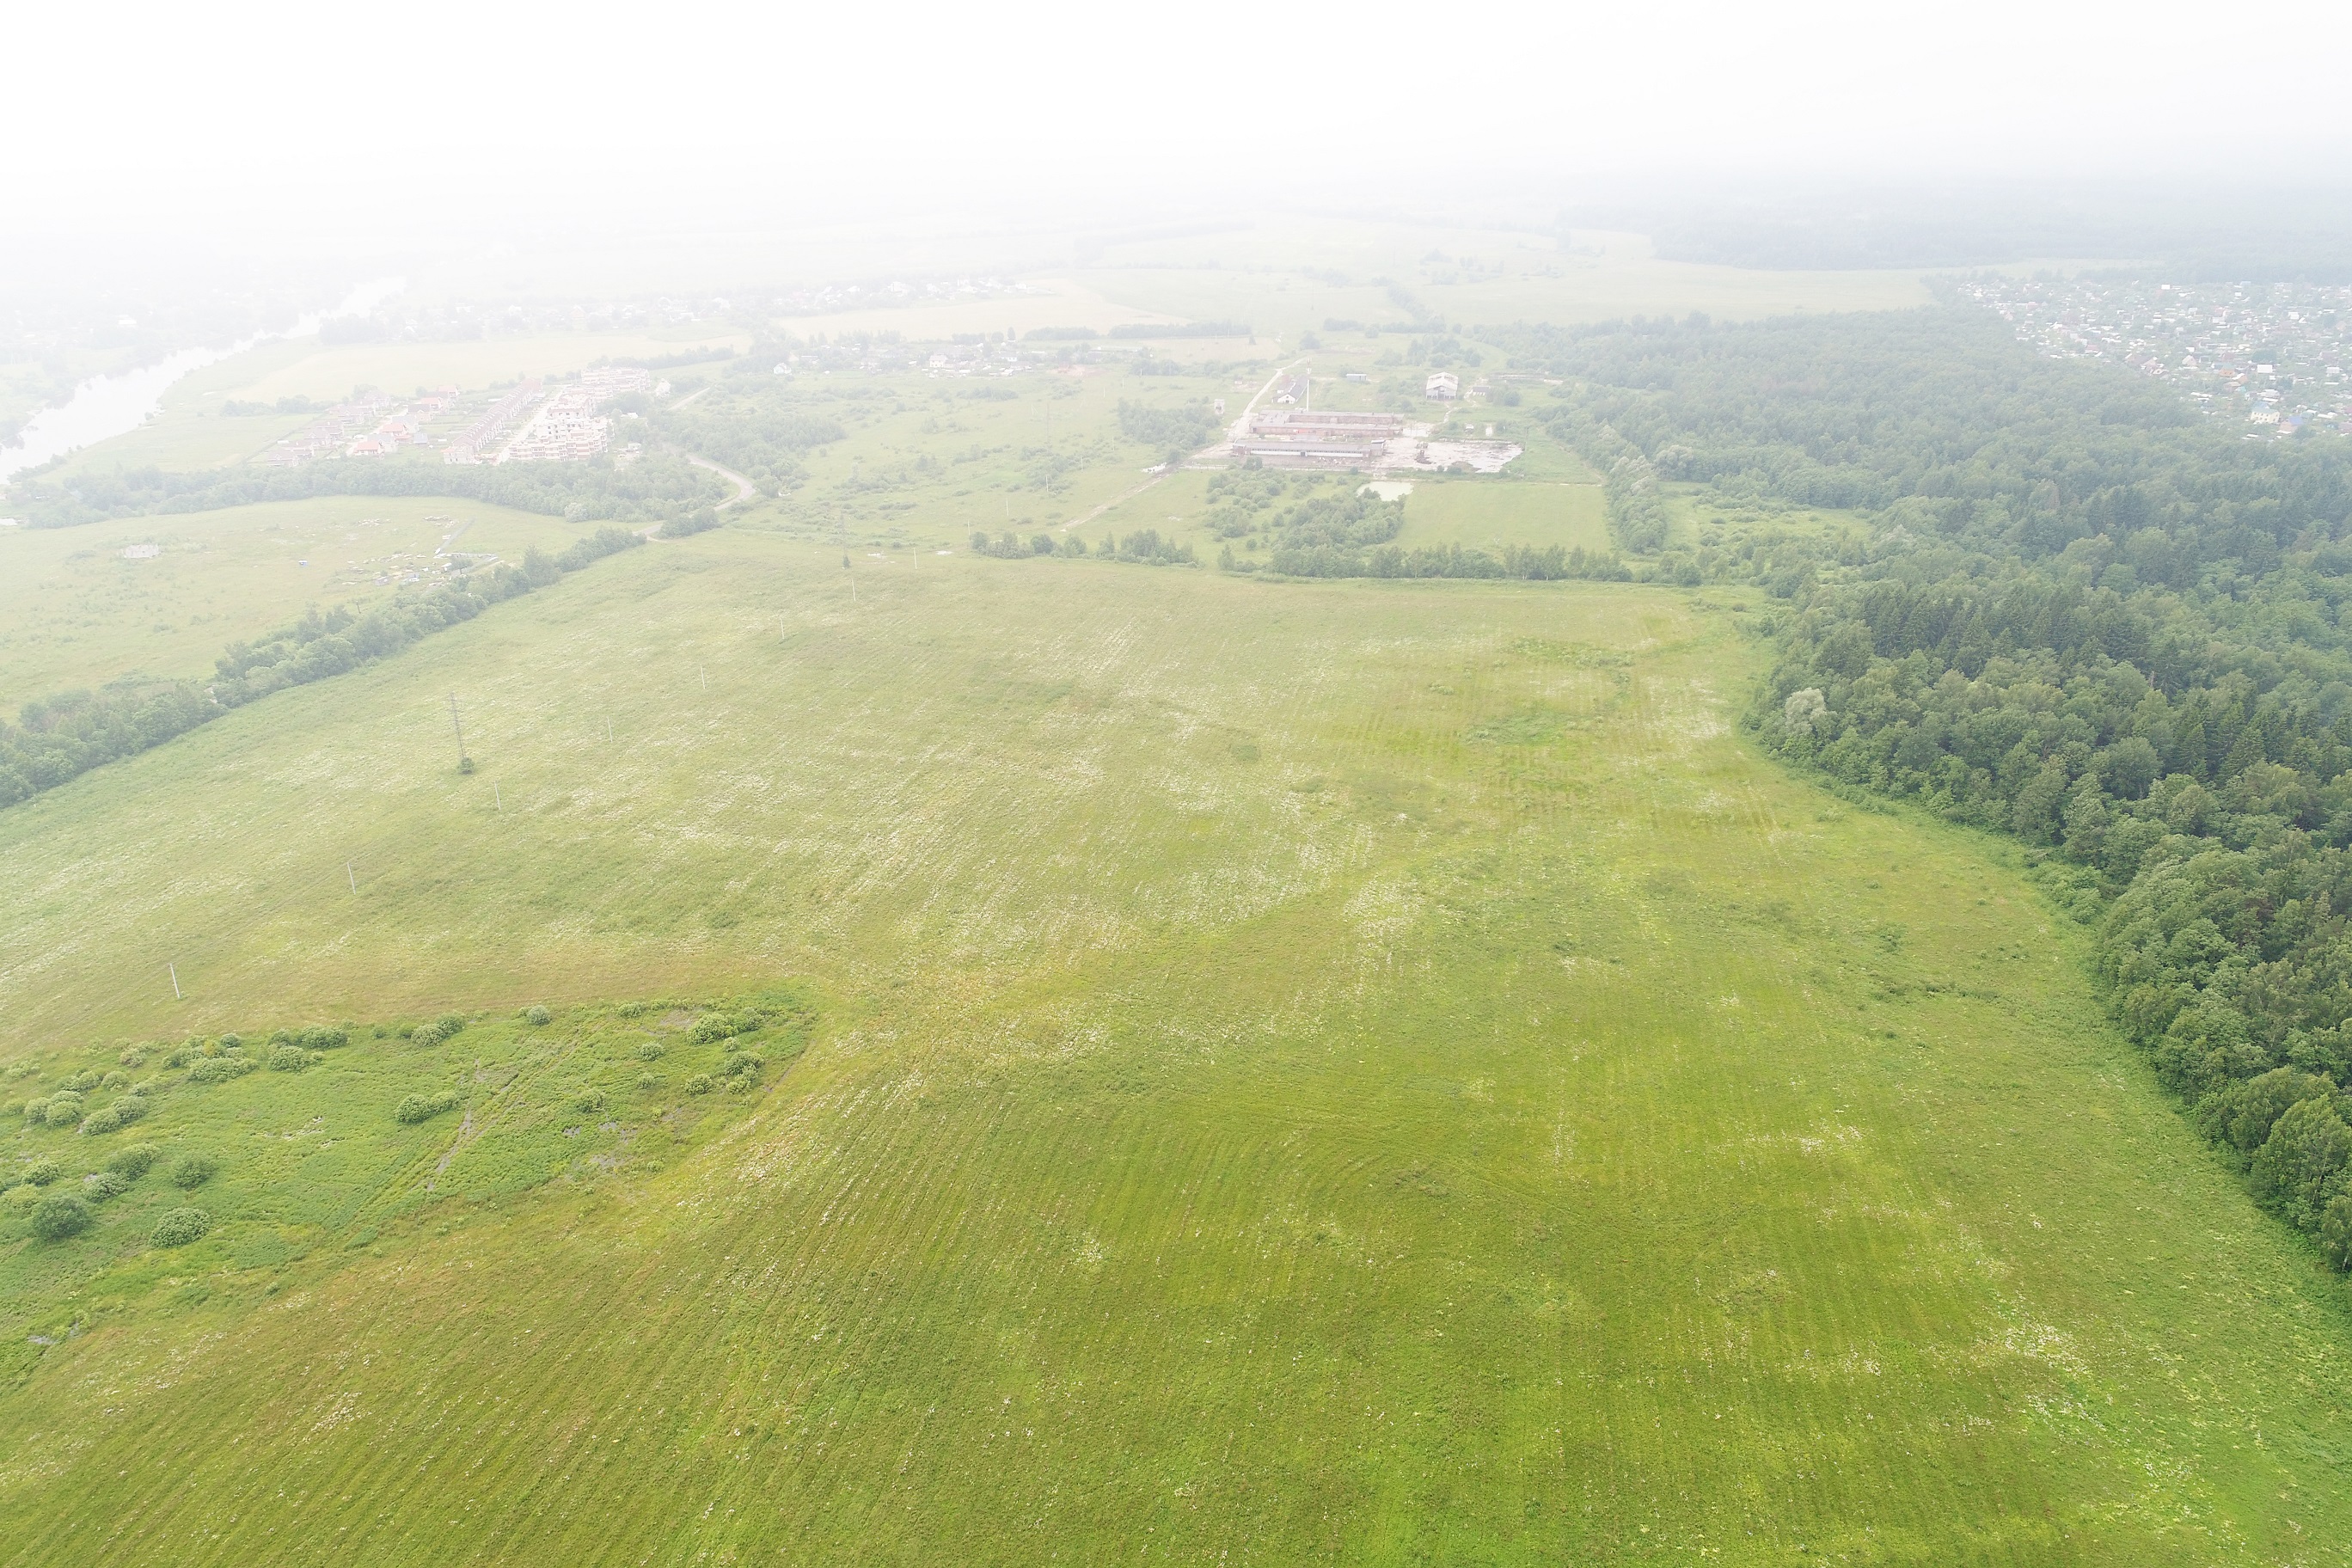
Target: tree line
[
  {"x": 60, "y": 737},
  {"x": 657, "y": 487}
]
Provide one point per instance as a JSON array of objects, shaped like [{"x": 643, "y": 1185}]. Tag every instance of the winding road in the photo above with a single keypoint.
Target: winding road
[{"x": 744, "y": 488}]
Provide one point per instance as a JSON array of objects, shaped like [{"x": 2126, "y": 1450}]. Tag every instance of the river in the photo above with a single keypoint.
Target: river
[{"x": 107, "y": 406}]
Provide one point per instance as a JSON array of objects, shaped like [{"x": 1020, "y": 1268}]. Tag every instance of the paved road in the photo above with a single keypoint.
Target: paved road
[{"x": 744, "y": 488}]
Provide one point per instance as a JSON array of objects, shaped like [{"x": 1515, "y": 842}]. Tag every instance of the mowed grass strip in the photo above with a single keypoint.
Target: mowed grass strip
[{"x": 1339, "y": 1072}]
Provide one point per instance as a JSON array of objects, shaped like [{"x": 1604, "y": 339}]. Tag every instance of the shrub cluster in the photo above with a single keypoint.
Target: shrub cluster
[
  {"x": 418, "y": 1108},
  {"x": 445, "y": 1027},
  {"x": 59, "y": 1215},
  {"x": 1009, "y": 546},
  {"x": 115, "y": 1117},
  {"x": 178, "y": 1227}
]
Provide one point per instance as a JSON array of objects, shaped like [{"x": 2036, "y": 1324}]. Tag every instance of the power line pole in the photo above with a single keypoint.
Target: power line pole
[{"x": 464, "y": 763}]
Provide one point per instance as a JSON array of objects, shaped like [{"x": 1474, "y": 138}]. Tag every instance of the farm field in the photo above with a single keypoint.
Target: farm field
[
  {"x": 1291, "y": 279},
  {"x": 75, "y": 613},
  {"x": 1050, "y": 302},
  {"x": 1353, "y": 1072}
]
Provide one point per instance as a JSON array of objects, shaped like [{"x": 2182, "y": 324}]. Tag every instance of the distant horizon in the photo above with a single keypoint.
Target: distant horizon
[{"x": 296, "y": 133}]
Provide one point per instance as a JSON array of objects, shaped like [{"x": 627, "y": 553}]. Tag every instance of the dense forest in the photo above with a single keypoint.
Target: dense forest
[{"x": 2066, "y": 607}]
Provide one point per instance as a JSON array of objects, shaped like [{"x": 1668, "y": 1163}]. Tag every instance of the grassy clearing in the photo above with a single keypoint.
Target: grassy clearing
[
  {"x": 1490, "y": 515},
  {"x": 74, "y": 612},
  {"x": 1354, "y": 1072},
  {"x": 926, "y": 460}
]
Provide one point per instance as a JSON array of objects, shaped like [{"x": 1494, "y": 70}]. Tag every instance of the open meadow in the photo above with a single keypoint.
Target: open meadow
[
  {"x": 1353, "y": 1072},
  {"x": 77, "y": 611}
]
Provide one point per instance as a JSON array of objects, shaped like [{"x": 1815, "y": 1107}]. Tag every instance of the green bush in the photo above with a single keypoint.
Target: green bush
[
  {"x": 118, "y": 1079},
  {"x": 63, "y": 1110},
  {"x": 747, "y": 1064},
  {"x": 289, "y": 1058},
  {"x": 712, "y": 1026},
  {"x": 418, "y": 1108},
  {"x": 133, "y": 1056},
  {"x": 699, "y": 1084},
  {"x": 119, "y": 1115},
  {"x": 323, "y": 1037},
  {"x": 44, "y": 1170},
  {"x": 177, "y": 1228},
  {"x": 537, "y": 1016},
  {"x": 193, "y": 1170},
  {"x": 649, "y": 1079},
  {"x": 652, "y": 1051},
  {"x": 59, "y": 1215},
  {"x": 220, "y": 1069},
  {"x": 231, "y": 1042},
  {"x": 100, "y": 1185},
  {"x": 82, "y": 1082},
  {"x": 443, "y": 1027},
  {"x": 590, "y": 1100},
  {"x": 133, "y": 1160}
]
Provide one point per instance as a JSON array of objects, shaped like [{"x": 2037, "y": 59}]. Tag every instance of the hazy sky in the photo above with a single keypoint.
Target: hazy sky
[{"x": 342, "y": 118}]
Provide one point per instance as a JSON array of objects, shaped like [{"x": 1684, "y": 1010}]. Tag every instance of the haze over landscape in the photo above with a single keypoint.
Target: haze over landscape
[{"x": 1522, "y": 785}]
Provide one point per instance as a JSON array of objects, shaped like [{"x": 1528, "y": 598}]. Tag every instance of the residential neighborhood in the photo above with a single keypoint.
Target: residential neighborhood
[{"x": 2268, "y": 356}]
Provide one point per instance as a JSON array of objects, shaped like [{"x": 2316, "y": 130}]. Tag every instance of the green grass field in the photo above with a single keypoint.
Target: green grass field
[
  {"x": 1486, "y": 514},
  {"x": 75, "y": 613},
  {"x": 1338, "y": 1072}
]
